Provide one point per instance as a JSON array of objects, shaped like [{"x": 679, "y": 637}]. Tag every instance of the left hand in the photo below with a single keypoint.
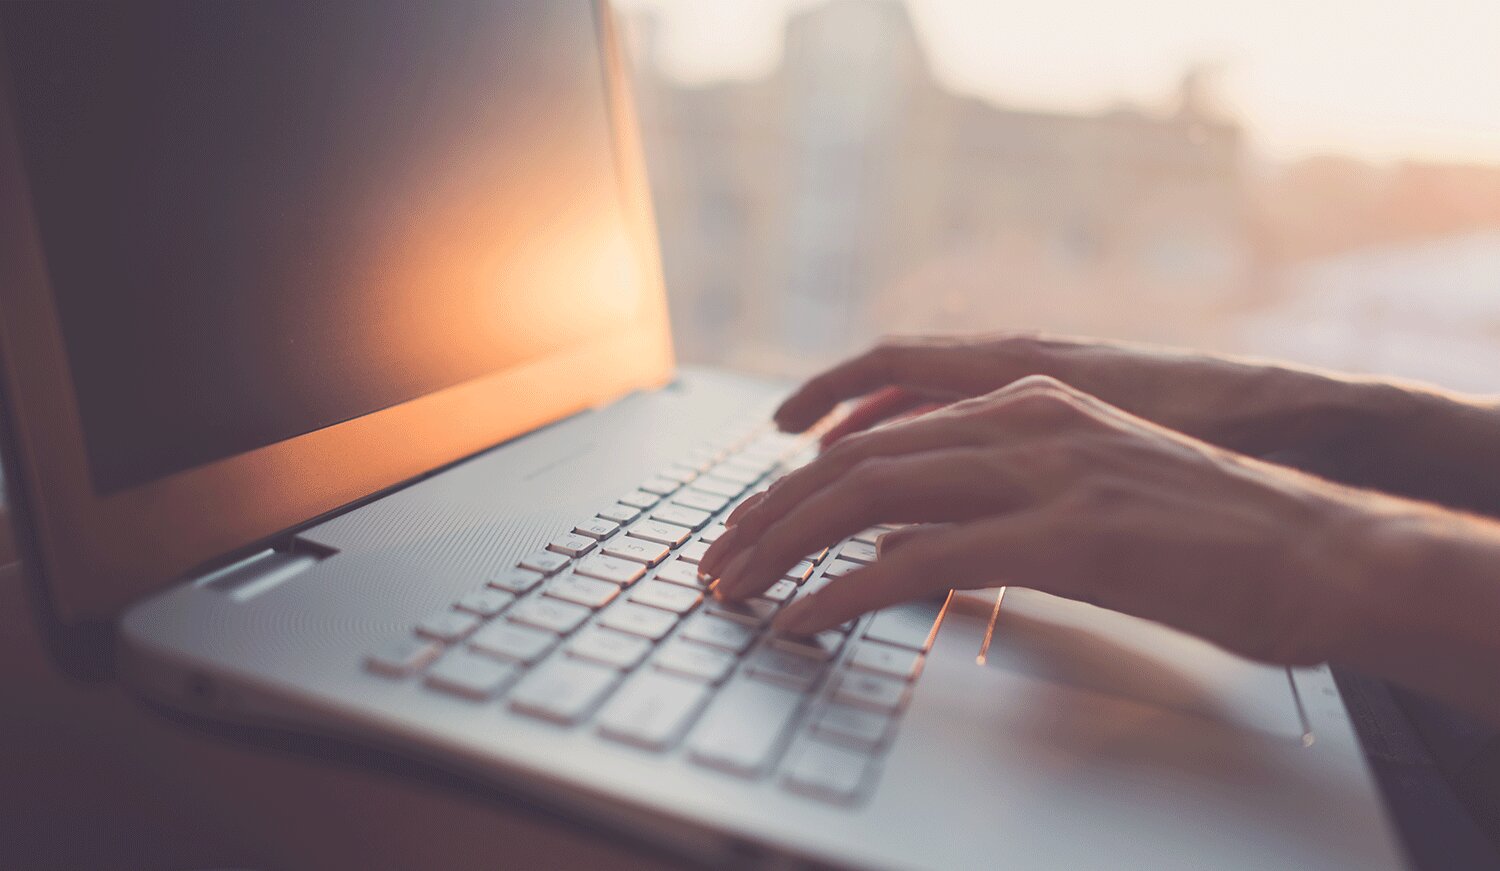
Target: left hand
[{"x": 1040, "y": 485}]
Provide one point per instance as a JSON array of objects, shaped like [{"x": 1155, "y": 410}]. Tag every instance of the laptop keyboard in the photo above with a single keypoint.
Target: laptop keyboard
[{"x": 608, "y": 627}]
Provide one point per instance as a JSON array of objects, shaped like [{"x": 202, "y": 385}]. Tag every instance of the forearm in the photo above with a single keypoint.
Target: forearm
[
  {"x": 1425, "y": 607},
  {"x": 1427, "y": 445}
]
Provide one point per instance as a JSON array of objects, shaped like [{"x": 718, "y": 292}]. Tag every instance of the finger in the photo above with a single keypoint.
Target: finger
[
  {"x": 1035, "y": 406},
  {"x": 881, "y": 405},
  {"x": 896, "y": 538},
  {"x": 932, "y": 369},
  {"x": 931, "y": 432},
  {"x": 966, "y": 556},
  {"x": 933, "y": 486},
  {"x": 744, "y": 507}
]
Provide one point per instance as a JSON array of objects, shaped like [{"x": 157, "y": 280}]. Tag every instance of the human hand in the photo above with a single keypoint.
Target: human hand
[
  {"x": 1248, "y": 406},
  {"x": 1041, "y": 485}
]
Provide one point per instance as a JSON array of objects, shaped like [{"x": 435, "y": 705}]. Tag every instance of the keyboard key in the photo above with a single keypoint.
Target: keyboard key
[
  {"x": 402, "y": 657},
  {"x": 637, "y": 549},
  {"x": 711, "y": 483},
  {"x": 608, "y": 647},
  {"x": 872, "y": 535},
  {"x": 681, "y": 515},
  {"x": 858, "y": 551},
  {"x": 883, "y": 659},
  {"x": 822, "y": 771},
  {"x": 668, "y": 597},
  {"x": 679, "y": 473},
  {"x": 745, "y": 727},
  {"x": 817, "y": 558},
  {"x": 712, "y": 533},
  {"x": 668, "y": 534},
  {"x": 909, "y": 625},
  {"x": 718, "y": 632},
  {"x": 858, "y": 728},
  {"x": 693, "y": 553},
  {"x": 788, "y": 669},
  {"x": 550, "y": 614},
  {"x": 678, "y": 572},
  {"x": 485, "y": 603},
  {"x": 448, "y": 625},
  {"x": 696, "y": 661},
  {"x": 780, "y": 592},
  {"x": 639, "y": 499},
  {"x": 572, "y": 545},
  {"x": 563, "y": 691},
  {"x": 650, "y": 623},
  {"x": 588, "y": 592},
  {"x": 652, "y": 711},
  {"x": 751, "y": 612},
  {"x": 597, "y": 528},
  {"x": 471, "y": 675},
  {"x": 620, "y": 513},
  {"x": 758, "y": 464},
  {"x": 701, "y": 500},
  {"x": 513, "y": 641},
  {"x": 660, "y": 486},
  {"x": 864, "y": 690},
  {"x": 799, "y": 572},
  {"x": 608, "y": 568},
  {"x": 822, "y": 647},
  {"x": 840, "y": 567},
  {"x": 515, "y": 581},
  {"x": 544, "y": 561},
  {"x": 743, "y": 473}
]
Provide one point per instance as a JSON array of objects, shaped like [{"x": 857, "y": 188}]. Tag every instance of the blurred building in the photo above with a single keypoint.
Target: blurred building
[{"x": 849, "y": 194}]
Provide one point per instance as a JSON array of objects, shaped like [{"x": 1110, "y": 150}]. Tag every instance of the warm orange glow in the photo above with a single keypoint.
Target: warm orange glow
[{"x": 989, "y": 631}]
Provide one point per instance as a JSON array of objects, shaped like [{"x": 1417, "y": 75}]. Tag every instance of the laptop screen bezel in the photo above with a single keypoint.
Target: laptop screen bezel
[{"x": 91, "y": 556}]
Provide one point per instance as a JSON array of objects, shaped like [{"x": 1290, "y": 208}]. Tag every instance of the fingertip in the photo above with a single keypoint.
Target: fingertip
[
  {"x": 793, "y": 618},
  {"x": 790, "y": 420}
]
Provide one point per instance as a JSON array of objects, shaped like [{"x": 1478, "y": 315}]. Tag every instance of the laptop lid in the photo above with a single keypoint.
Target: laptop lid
[{"x": 260, "y": 261}]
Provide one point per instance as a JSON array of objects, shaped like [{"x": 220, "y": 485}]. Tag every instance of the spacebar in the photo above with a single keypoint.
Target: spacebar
[{"x": 744, "y": 729}]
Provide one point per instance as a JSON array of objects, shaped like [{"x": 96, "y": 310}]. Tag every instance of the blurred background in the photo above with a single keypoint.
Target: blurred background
[{"x": 1319, "y": 181}]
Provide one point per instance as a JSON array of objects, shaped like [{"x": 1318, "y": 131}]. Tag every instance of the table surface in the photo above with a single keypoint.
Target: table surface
[{"x": 95, "y": 779}]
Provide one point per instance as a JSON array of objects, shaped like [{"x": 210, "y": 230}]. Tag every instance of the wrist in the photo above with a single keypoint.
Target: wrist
[{"x": 1422, "y": 598}]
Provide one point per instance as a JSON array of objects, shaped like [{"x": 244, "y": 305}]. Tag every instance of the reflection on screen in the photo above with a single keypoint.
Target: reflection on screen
[{"x": 264, "y": 219}]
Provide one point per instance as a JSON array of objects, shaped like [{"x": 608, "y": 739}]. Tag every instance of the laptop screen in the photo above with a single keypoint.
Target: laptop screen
[{"x": 265, "y": 219}]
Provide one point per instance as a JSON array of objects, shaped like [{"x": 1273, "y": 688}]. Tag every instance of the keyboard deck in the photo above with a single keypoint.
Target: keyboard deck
[{"x": 609, "y": 627}]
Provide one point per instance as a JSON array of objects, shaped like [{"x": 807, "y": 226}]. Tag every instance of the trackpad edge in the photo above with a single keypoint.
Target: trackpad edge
[{"x": 1090, "y": 648}]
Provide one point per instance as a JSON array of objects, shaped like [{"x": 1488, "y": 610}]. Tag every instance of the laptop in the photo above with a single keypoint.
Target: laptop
[{"x": 340, "y": 399}]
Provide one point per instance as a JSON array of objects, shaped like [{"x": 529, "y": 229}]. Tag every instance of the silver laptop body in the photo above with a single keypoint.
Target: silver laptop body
[{"x": 493, "y": 572}]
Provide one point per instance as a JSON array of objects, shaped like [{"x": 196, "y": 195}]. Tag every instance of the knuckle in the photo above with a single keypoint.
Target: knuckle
[
  {"x": 1039, "y": 403},
  {"x": 1028, "y": 347},
  {"x": 1038, "y": 383}
]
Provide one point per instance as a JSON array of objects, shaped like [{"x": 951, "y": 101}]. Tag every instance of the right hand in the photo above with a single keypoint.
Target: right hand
[{"x": 1251, "y": 407}]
